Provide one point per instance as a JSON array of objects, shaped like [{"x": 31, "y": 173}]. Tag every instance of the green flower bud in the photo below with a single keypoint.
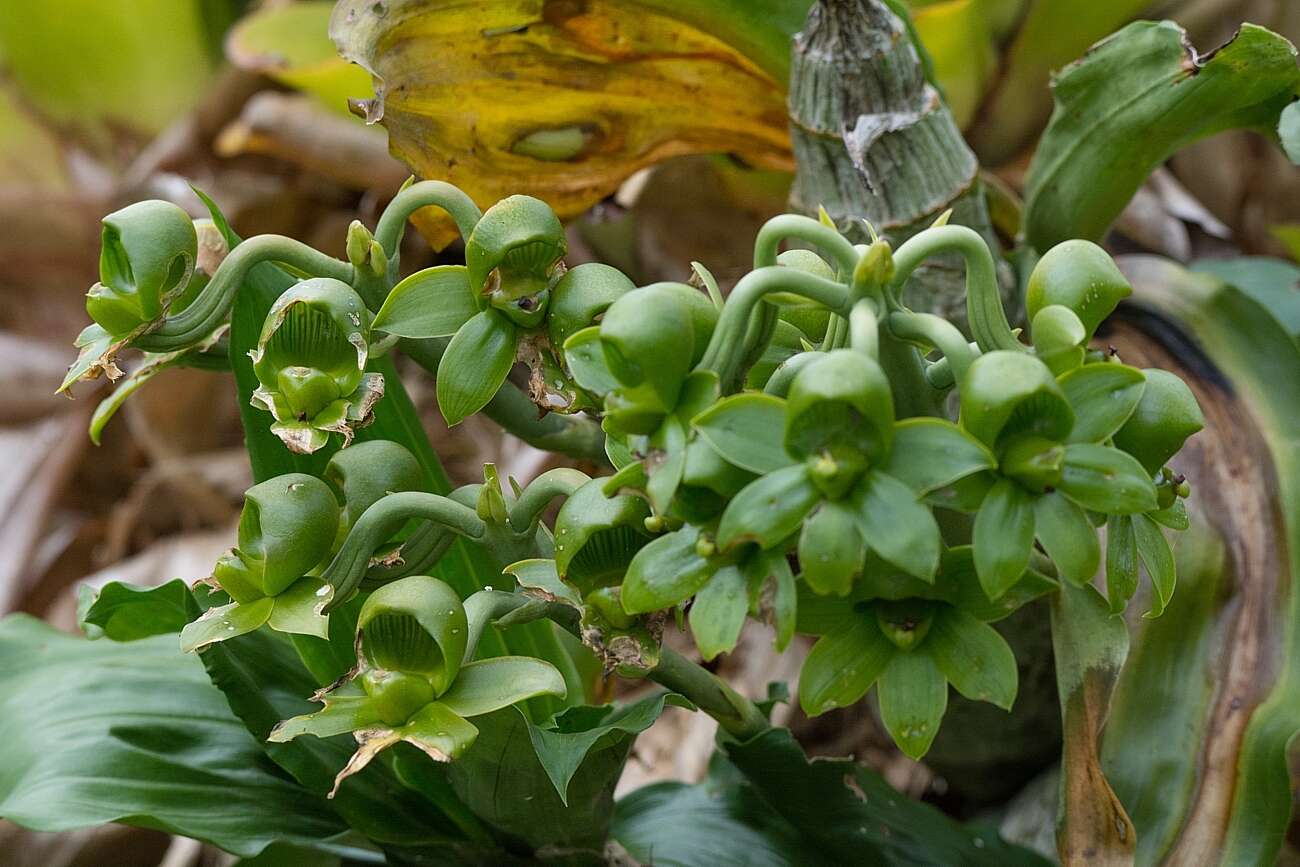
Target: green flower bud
[
  {"x": 840, "y": 399},
  {"x": 1081, "y": 276},
  {"x": 512, "y": 257},
  {"x": 366, "y": 472},
  {"x": 581, "y": 296},
  {"x": 286, "y": 528},
  {"x": 596, "y": 536},
  {"x": 1165, "y": 417},
  {"x": 1005, "y": 393},
  {"x": 415, "y": 625},
  {"x": 147, "y": 256},
  {"x": 310, "y": 362}
]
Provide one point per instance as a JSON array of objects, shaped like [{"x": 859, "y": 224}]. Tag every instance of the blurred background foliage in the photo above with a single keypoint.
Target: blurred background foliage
[{"x": 660, "y": 130}]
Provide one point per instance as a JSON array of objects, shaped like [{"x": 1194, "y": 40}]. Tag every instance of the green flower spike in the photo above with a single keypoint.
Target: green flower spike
[
  {"x": 1054, "y": 467},
  {"x": 286, "y": 529},
  {"x": 310, "y": 362},
  {"x": 911, "y": 640},
  {"x": 413, "y": 682},
  {"x": 841, "y": 476}
]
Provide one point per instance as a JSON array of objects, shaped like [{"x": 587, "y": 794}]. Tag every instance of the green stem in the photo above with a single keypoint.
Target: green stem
[
  {"x": 988, "y": 321},
  {"x": 737, "y": 715},
  {"x": 392, "y": 223},
  {"x": 213, "y": 303},
  {"x": 864, "y": 328},
  {"x": 482, "y": 609},
  {"x": 378, "y": 524},
  {"x": 939, "y": 333},
  {"x": 573, "y": 435},
  {"x": 540, "y": 491},
  {"x": 787, "y": 226},
  {"x": 723, "y": 354}
]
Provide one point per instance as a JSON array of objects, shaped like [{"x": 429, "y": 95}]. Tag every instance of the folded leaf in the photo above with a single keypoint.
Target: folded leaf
[
  {"x": 225, "y": 621},
  {"x": 930, "y": 453},
  {"x": 475, "y": 365},
  {"x": 1103, "y": 397},
  {"x": 1101, "y": 143},
  {"x": 586, "y": 360},
  {"x": 491, "y": 684},
  {"x": 719, "y": 612},
  {"x": 1158, "y": 559},
  {"x": 123, "y": 612},
  {"x": 831, "y": 549},
  {"x": 896, "y": 526},
  {"x": 747, "y": 430},
  {"x": 434, "y": 302},
  {"x": 665, "y": 572},
  {"x": 769, "y": 509}
]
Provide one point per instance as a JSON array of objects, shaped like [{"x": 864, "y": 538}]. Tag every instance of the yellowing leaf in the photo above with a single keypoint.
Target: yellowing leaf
[{"x": 563, "y": 100}]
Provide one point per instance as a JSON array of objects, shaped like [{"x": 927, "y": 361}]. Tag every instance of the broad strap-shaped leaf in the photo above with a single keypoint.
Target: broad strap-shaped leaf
[
  {"x": 666, "y": 571},
  {"x": 123, "y": 612},
  {"x": 1003, "y": 537},
  {"x": 1103, "y": 396},
  {"x": 538, "y": 104},
  {"x": 844, "y": 663},
  {"x": 719, "y": 612},
  {"x": 1106, "y": 480},
  {"x": 747, "y": 430},
  {"x": 434, "y": 302},
  {"x": 563, "y": 744},
  {"x": 96, "y": 732},
  {"x": 226, "y": 621},
  {"x": 1158, "y": 559},
  {"x": 975, "y": 659},
  {"x": 831, "y": 549},
  {"x": 1068, "y": 537},
  {"x": 931, "y": 453},
  {"x": 1101, "y": 144},
  {"x": 769, "y": 509},
  {"x": 475, "y": 365},
  {"x": 491, "y": 684},
  {"x": 913, "y": 696},
  {"x": 896, "y": 525}
]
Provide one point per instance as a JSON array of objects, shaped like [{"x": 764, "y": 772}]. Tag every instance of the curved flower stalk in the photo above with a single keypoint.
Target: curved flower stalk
[
  {"x": 311, "y": 362},
  {"x": 414, "y": 681},
  {"x": 286, "y": 529},
  {"x": 911, "y": 640}
]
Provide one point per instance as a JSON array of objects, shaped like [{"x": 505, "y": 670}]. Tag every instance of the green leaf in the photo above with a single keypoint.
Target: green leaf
[
  {"x": 781, "y": 606},
  {"x": 719, "y": 612},
  {"x": 1106, "y": 480},
  {"x": 844, "y": 663},
  {"x": 831, "y": 548},
  {"x": 1003, "y": 537},
  {"x": 1068, "y": 537},
  {"x": 1158, "y": 558},
  {"x": 975, "y": 659},
  {"x": 1101, "y": 143},
  {"x": 1174, "y": 517},
  {"x": 931, "y": 453},
  {"x": 1103, "y": 396},
  {"x": 341, "y": 715},
  {"x": 1274, "y": 283},
  {"x": 586, "y": 359},
  {"x": 847, "y": 814},
  {"x": 1121, "y": 562},
  {"x": 438, "y": 731},
  {"x": 475, "y": 364},
  {"x": 226, "y": 621},
  {"x": 665, "y": 463},
  {"x": 434, "y": 302},
  {"x": 666, "y": 571},
  {"x": 122, "y": 612},
  {"x": 896, "y": 526},
  {"x": 913, "y": 696},
  {"x": 769, "y": 509},
  {"x": 563, "y": 744},
  {"x": 297, "y": 610},
  {"x": 133, "y": 732},
  {"x": 491, "y": 684},
  {"x": 747, "y": 430}
]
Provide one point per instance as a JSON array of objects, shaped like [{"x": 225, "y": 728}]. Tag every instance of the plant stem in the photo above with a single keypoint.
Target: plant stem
[
  {"x": 938, "y": 332},
  {"x": 213, "y": 303},
  {"x": 561, "y": 482},
  {"x": 864, "y": 328},
  {"x": 572, "y": 435},
  {"x": 392, "y": 223},
  {"x": 737, "y": 715}
]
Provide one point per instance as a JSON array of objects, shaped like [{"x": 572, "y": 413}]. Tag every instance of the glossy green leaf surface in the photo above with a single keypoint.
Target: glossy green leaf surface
[
  {"x": 434, "y": 302},
  {"x": 1101, "y": 145},
  {"x": 1003, "y": 537},
  {"x": 896, "y": 525},
  {"x": 769, "y": 509},
  {"x": 665, "y": 572},
  {"x": 930, "y": 453},
  {"x": 974, "y": 658},
  {"x": 1103, "y": 397},
  {"x": 844, "y": 663},
  {"x": 491, "y": 684},
  {"x": 746, "y": 429},
  {"x": 122, "y": 612},
  {"x": 136, "y": 733},
  {"x": 1068, "y": 537},
  {"x": 1106, "y": 480},
  {"x": 475, "y": 364},
  {"x": 913, "y": 697},
  {"x": 719, "y": 612}
]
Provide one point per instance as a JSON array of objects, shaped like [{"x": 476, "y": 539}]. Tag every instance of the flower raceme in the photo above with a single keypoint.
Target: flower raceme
[{"x": 808, "y": 452}]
